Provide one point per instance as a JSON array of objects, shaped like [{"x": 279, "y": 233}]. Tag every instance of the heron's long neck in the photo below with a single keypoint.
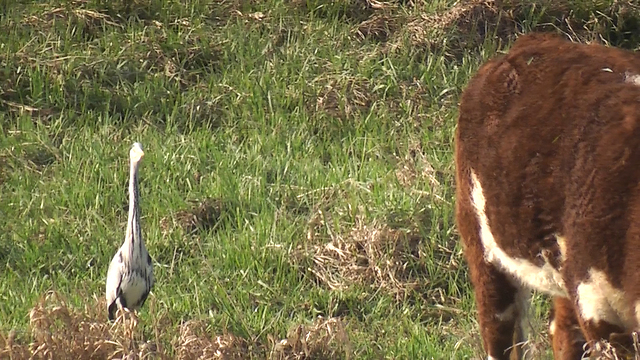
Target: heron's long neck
[{"x": 133, "y": 237}]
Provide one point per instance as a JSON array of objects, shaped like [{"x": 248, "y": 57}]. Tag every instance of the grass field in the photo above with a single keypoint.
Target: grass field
[{"x": 297, "y": 188}]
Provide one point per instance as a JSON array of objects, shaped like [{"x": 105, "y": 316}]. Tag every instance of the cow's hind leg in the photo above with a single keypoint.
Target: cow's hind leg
[
  {"x": 500, "y": 311},
  {"x": 499, "y": 301},
  {"x": 564, "y": 330}
]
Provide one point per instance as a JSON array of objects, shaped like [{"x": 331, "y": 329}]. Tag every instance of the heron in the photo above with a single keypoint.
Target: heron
[{"x": 130, "y": 275}]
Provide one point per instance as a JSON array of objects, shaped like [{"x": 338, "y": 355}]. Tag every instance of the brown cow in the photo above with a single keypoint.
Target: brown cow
[{"x": 548, "y": 191}]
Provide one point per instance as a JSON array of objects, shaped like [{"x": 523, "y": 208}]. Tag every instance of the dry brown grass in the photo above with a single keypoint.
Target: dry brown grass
[
  {"x": 630, "y": 350},
  {"x": 369, "y": 254},
  {"x": 462, "y": 14},
  {"x": 467, "y": 24},
  {"x": 378, "y": 27},
  {"x": 203, "y": 215},
  {"x": 195, "y": 343},
  {"x": 324, "y": 339},
  {"x": 11, "y": 349},
  {"x": 342, "y": 97},
  {"x": 415, "y": 166},
  {"x": 470, "y": 21},
  {"x": 57, "y": 330},
  {"x": 91, "y": 19}
]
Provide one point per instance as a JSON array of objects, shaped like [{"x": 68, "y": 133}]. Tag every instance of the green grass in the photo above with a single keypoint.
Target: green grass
[{"x": 275, "y": 111}]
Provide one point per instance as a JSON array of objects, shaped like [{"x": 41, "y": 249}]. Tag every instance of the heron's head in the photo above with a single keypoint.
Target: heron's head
[{"x": 136, "y": 152}]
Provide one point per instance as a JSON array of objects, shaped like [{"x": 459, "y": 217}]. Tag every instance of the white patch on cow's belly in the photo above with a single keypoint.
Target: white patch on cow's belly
[
  {"x": 545, "y": 278},
  {"x": 599, "y": 301}
]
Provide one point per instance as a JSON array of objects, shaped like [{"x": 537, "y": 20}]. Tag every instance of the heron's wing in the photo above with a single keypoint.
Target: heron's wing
[
  {"x": 152, "y": 279},
  {"x": 144, "y": 298},
  {"x": 114, "y": 280},
  {"x": 113, "y": 307}
]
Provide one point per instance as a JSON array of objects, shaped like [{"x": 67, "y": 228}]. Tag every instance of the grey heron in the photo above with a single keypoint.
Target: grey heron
[{"x": 130, "y": 275}]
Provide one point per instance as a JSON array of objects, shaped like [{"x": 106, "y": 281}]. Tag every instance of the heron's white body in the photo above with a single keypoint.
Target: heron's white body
[{"x": 130, "y": 275}]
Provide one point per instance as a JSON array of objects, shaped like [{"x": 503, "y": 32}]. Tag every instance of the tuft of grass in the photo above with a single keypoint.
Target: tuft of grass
[
  {"x": 371, "y": 255},
  {"x": 206, "y": 215},
  {"x": 60, "y": 331},
  {"x": 194, "y": 343}
]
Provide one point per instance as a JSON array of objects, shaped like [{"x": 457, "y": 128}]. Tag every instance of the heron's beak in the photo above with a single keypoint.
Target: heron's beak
[{"x": 136, "y": 153}]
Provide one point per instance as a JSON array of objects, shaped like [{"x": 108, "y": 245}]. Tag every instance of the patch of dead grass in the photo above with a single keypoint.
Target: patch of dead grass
[
  {"x": 378, "y": 27},
  {"x": 185, "y": 62},
  {"x": 326, "y": 338},
  {"x": 370, "y": 254},
  {"x": 36, "y": 157},
  {"x": 462, "y": 15},
  {"x": 204, "y": 215},
  {"x": 415, "y": 166},
  {"x": 471, "y": 22},
  {"x": 343, "y": 97},
  {"x": 223, "y": 11},
  {"x": 195, "y": 343},
  {"x": 627, "y": 347},
  {"x": 610, "y": 22},
  {"x": 11, "y": 349},
  {"x": 89, "y": 22},
  {"x": 467, "y": 24},
  {"x": 59, "y": 331}
]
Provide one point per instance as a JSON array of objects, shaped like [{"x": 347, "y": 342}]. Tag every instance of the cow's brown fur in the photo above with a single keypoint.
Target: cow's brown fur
[{"x": 552, "y": 132}]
